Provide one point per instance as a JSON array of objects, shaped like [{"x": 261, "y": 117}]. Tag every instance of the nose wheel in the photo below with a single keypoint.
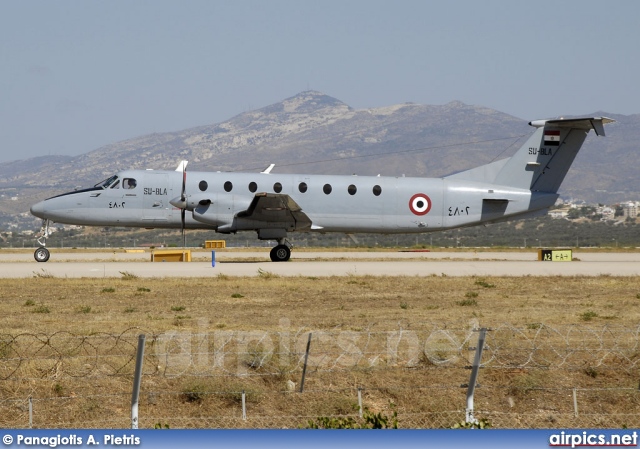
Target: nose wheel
[
  {"x": 280, "y": 253},
  {"x": 41, "y": 254}
]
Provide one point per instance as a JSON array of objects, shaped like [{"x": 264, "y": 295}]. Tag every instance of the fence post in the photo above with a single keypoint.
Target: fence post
[
  {"x": 304, "y": 368},
  {"x": 474, "y": 377},
  {"x": 135, "y": 395},
  {"x": 244, "y": 406},
  {"x": 360, "y": 401},
  {"x": 575, "y": 403},
  {"x": 30, "y": 412}
]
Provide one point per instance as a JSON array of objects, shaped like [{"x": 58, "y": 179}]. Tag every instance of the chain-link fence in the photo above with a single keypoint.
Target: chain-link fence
[{"x": 532, "y": 377}]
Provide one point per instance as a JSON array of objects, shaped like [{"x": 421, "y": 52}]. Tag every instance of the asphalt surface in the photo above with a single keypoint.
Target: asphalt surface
[{"x": 253, "y": 263}]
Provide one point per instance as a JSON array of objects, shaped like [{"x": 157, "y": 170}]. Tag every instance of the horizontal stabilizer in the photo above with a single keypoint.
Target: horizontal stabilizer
[{"x": 586, "y": 123}]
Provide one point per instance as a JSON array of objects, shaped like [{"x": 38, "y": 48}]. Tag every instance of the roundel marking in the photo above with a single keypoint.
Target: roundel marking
[{"x": 420, "y": 204}]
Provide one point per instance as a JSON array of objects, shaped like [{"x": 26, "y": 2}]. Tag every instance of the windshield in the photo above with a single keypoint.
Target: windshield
[{"x": 107, "y": 182}]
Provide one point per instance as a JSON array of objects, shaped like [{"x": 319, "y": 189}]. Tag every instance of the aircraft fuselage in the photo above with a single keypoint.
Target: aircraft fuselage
[{"x": 333, "y": 203}]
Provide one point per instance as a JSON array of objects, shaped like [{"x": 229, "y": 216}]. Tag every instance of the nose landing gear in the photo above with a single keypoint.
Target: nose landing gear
[{"x": 42, "y": 254}]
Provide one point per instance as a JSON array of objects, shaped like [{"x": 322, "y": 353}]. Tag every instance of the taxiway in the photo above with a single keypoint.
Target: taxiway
[{"x": 307, "y": 263}]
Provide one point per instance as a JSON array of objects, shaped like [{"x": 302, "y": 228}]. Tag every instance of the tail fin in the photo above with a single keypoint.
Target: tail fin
[{"x": 541, "y": 164}]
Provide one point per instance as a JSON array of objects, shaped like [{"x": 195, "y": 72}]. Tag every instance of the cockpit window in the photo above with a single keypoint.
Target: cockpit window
[
  {"x": 116, "y": 185},
  {"x": 129, "y": 183},
  {"x": 107, "y": 182}
]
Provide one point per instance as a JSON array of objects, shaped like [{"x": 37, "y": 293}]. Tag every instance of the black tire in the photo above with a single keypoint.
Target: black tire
[
  {"x": 41, "y": 254},
  {"x": 280, "y": 253}
]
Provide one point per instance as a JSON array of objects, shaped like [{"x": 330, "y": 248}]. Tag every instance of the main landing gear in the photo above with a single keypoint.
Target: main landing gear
[
  {"x": 282, "y": 252},
  {"x": 42, "y": 254}
]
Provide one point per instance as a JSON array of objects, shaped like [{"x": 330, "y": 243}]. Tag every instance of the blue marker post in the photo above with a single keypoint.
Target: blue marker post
[{"x": 213, "y": 258}]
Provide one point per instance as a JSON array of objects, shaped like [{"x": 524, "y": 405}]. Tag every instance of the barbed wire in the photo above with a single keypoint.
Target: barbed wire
[
  {"x": 534, "y": 376},
  {"x": 258, "y": 353}
]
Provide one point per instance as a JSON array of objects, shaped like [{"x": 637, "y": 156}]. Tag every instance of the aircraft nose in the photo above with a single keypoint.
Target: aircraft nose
[{"x": 38, "y": 209}]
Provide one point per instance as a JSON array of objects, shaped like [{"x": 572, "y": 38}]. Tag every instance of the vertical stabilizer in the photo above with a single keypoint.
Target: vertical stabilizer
[{"x": 541, "y": 164}]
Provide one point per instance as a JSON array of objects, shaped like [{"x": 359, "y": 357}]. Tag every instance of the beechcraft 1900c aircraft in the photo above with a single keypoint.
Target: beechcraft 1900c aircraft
[{"x": 275, "y": 205}]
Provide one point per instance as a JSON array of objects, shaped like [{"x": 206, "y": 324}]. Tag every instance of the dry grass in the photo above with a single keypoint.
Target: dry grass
[
  {"x": 46, "y": 306},
  {"x": 351, "y": 303}
]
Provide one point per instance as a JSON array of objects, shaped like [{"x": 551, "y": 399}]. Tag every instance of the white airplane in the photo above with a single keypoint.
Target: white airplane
[{"x": 275, "y": 205}]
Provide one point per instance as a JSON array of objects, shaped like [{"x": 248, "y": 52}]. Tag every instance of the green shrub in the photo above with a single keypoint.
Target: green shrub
[
  {"x": 588, "y": 315},
  {"x": 369, "y": 420}
]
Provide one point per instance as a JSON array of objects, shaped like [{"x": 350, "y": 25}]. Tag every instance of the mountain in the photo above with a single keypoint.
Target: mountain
[{"x": 315, "y": 133}]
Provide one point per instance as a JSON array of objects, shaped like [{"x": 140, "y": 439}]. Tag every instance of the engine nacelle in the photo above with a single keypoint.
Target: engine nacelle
[{"x": 219, "y": 210}]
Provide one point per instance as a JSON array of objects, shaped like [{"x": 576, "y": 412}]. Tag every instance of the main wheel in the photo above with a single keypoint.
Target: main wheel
[
  {"x": 280, "y": 253},
  {"x": 41, "y": 254}
]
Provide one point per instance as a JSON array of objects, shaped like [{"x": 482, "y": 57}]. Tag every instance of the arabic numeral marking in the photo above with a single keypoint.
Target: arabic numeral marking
[{"x": 462, "y": 210}]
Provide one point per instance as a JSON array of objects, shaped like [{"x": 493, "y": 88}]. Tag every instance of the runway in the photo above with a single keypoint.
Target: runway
[{"x": 315, "y": 264}]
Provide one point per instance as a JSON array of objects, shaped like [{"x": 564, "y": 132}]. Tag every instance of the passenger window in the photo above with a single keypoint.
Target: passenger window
[
  {"x": 253, "y": 187},
  {"x": 377, "y": 190},
  {"x": 326, "y": 189},
  {"x": 129, "y": 183},
  {"x": 203, "y": 186},
  {"x": 352, "y": 189},
  {"x": 302, "y": 187},
  {"x": 228, "y": 186},
  {"x": 277, "y": 187}
]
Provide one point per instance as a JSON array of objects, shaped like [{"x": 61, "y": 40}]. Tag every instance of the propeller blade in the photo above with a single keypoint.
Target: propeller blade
[
  {"x": 182, "y": 218},
  {"x": 183, "y": 201},
  {"x": 183, "y": 195}
]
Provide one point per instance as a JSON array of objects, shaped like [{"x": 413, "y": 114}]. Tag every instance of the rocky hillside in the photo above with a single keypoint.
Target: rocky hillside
[{"x": 314, "y": 133}]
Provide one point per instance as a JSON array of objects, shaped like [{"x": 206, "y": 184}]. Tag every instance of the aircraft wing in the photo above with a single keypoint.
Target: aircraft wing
[{"x": 275, "y": 209}]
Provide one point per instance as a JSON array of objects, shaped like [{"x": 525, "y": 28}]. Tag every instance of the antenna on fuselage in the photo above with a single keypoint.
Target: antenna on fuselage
[{"x": 267, "y": 170}]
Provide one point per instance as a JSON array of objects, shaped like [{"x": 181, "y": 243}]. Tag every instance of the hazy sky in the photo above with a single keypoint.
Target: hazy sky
[{"x": 77, "y": 75}]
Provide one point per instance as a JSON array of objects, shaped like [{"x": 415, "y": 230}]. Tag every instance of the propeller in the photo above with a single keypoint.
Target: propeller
[{"x": 181, "y": 202}]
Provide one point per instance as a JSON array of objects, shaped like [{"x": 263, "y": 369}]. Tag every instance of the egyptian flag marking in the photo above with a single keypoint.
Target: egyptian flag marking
[
  {"x": 420, "y": 204},
  {"x": 551, "y": 138}
]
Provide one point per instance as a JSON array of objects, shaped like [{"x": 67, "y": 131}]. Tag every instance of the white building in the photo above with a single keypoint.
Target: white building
[{"x": 630, "y": 209}]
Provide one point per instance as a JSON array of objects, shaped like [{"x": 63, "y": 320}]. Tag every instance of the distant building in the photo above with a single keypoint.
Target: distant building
[
  {"x": 608, "y": 213},
  {"x": 560, "y": 213},
  {"x": 630, "y": 209}
]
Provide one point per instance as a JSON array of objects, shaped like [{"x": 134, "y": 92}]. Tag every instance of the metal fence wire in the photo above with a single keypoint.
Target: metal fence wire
[{"x": 531, "y": 377}]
